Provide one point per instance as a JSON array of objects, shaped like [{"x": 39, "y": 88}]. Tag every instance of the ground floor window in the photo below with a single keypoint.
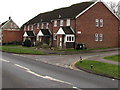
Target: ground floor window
[{"x": 70, "y": 38}]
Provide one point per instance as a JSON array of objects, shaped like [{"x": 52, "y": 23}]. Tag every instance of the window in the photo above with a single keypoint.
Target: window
[
  {"x": 42, "y": 26},
  {"x": 101, "y": 37},
  {"x": 24, "y": 28},
  {"x": 38, "y": 25},
  {"x": 68, "y": 22},
  {"x": 31, "y": 27},
  {"x": 101, "y": 22},
  {"x": 97, "y": 22},
  {"x": 55, "y": 36},
  {"x": 96, "y": 37},
  {"x": 70, "y": 38},
  {"x": 61, "y": 22},
  {"x": 55, "y": 23},
  {"x": 47, "y": 24},
  {"x": 28, "y": 27}
]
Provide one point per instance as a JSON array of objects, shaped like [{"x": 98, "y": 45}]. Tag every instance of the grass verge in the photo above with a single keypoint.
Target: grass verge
[
  {"x": 20, "y": 50},
  {"x": 100, "y": 68},
  {"x": 113, "y": 58}
]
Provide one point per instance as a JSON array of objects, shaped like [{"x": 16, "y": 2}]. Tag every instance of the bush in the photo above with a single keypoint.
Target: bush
[
  {"x": 44, "y": 45},
  {"x": 27, "y": 43}
]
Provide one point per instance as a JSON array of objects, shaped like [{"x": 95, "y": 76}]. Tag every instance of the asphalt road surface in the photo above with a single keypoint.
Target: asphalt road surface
[{"x": 23, "y": 72}]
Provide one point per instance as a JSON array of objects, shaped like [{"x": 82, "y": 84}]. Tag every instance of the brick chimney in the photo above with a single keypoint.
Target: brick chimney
[{"x": 9, "y": 18}]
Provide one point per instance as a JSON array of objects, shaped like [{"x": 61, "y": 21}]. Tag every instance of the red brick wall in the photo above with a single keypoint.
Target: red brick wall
[
  {"x": 55, "y": 29},
  {"x": 86, "y": 24},
  {"x": 10, "y": 36}
]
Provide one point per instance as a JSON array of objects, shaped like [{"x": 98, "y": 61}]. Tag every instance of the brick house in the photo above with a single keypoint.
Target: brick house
[
  {"x": 91, "y": 23},
  {"x": 10, "y": 32}
]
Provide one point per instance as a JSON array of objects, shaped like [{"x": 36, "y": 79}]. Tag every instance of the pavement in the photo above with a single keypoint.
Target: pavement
[{"x": 68, "y": 61}]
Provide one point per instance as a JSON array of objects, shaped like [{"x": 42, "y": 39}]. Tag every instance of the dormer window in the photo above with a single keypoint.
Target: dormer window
[
  {"x": 68, "y": 22},
  {"x": 61, "y": 22},
  {"x": 55, "y": 23}
]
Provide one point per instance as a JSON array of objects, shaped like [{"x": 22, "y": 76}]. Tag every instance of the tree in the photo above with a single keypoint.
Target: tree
[
  {"x": 115, "y": 7},
  {"x": 118, "y": 9}
]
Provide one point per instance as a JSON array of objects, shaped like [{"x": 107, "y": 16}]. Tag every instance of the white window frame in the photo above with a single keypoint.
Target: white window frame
[
  {"x": 42, "y": 25},
  {"x": 61, "y": 22},
  {"x": 70, "y": 38},
  {"x": 96, "y": 37},
  {"x": 55, "y": 36},
  {"x": 101, "y": 22},
  {"x": 47, "y": 25},
  {"x": 68, "y": 22},
  {"x": 31, "y": 27},
  {"x": 28, "y": 27},
  {"x": 97, "y": 22},
  {"x": 101, "y": 37},
  {"x": 24, "y": 28},
  {"x": 38, "y": 25},
  {"x": 55, "y": 23}
]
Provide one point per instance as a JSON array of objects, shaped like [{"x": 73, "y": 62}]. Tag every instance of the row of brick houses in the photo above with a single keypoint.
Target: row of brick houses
[
  {"x": 91, "y": 23},
  {"x": 10, "y": 32}
]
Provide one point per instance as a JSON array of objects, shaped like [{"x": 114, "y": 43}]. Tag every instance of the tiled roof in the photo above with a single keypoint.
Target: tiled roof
[
  {"x": 45, "y": 32},
  {"x": 62, "y": 13},
  {"x": 4, "y": 23},
  {"x": 67, "y": 30},
  {"x": 30, "y": 33}
]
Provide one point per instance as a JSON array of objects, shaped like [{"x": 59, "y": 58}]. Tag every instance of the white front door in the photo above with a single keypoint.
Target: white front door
[{"x": 60, "y": 42}]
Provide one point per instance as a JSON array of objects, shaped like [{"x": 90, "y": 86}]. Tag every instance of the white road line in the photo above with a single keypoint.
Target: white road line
[
  {"x": 22, "y": 67},
  {"x": 4, "y": 60},
  {"x": 49, "y": 78}
]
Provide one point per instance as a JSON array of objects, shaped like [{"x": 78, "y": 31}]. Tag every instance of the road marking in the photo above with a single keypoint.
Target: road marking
[
  {"x": 22, "y": 67},
  {"x": 4, "y": 60},
  {"x": 113, "y": 79},
  {"x": 49, "y": 78}
]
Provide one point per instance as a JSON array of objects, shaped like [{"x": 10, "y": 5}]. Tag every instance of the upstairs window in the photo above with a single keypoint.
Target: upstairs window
[
  {"x": 28, "y": 27},
  {"x": 68, "y": 22},
  {"x": 97, "y": 22},
  {"x": 24, "y": 28},
  {"x": 31, "y": 27},
  {"x": 47, "y": 25},
  {"x": 101, "y": 22},
  {"x": 55, "y": 23},
  {"x": 42, "y": 26},
  {"x": 38, "y": 25},
  {"x": 96, "y": 37},
  {"x": 61, "y": 22}
]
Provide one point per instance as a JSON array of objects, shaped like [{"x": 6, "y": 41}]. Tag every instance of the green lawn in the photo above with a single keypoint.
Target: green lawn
[
  {"x": 113, "y": 58},
  {"x": 100, "y": 68},
  {"x": 20, "y": 50}
]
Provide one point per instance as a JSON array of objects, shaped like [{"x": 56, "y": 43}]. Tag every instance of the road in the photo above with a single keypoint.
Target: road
[{"x": 23, "y": 72}]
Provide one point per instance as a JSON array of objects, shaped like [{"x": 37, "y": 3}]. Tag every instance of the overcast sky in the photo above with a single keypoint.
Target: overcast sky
[{"x": 23, "y": 10}]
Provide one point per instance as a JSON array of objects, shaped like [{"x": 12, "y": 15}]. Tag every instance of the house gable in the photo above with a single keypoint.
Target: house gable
[
  {"x": 10, "y": 25},
  {"x": 94, "y": 5}
]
